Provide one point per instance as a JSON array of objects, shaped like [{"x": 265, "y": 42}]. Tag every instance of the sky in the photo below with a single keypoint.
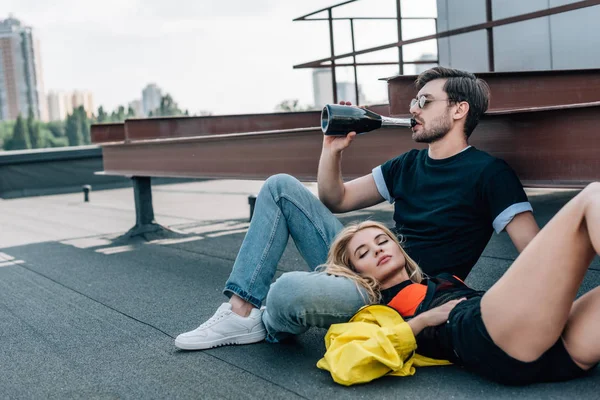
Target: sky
[{"x": 221, "y": 57}]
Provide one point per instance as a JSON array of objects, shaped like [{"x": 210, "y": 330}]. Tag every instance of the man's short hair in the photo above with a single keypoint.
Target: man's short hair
[{"x": 461, "y": 86}]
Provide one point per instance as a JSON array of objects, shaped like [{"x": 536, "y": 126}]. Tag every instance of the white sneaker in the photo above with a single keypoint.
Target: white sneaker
[{"x": 224, "y": 327}]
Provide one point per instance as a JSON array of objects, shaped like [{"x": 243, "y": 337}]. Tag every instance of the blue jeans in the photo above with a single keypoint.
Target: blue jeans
[{"x": 299, "y": 299}]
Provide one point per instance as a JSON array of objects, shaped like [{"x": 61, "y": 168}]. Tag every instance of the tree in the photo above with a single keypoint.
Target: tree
[
  {"x": 73, "y": 130},
  {"x": 118, "y": 115},
  {"x": 33, "y": 131},
  {"x": 289, "y": 106},
  {"x": 20, "y": 138},
  {"x": 84, "y": 125},
  {"x": 130, "y": 113},
  {"x": 168, "y": 107},
  {"x": 57, "y": 128},
  {"x": 6, "y": 133},
  {"x": 102, "y": 115}
]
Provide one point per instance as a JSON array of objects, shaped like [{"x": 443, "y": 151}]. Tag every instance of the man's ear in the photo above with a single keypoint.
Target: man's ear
[{"x": 462, "y": 110}]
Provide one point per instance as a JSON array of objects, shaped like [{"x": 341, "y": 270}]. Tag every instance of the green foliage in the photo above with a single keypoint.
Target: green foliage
[
  {"x": 168, "y": 108},
  {"x": 290, "y": 106},
  {"x": 34, "y": 131},
  {"x": 20, "y": 137},
  {"x": 118, "y": 115},
  {"x": 73, "y": 130},
  {"x": 6, "y": 132},
  {"x": 130, "y": 113},
  {"x": 52, "y": 141},
  {"x": 102, "y": 115},
  {"x": 84, "y": 124},
  {"x": 57, "y": 128}
]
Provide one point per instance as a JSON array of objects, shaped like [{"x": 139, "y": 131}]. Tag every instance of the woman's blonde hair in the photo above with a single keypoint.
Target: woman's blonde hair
[{"x": 338, "y": 260}]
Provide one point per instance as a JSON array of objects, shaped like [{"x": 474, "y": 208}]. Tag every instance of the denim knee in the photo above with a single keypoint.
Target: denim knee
[
  {"x": 299, "y": 300},
  {"x": 287, "y": 306},
  {"x": 277, "y": 183},
  {"x": 285, "y": 300}
]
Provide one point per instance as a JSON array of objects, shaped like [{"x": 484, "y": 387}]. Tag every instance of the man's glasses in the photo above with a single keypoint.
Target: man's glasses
[{"x": 422, "y": 101}]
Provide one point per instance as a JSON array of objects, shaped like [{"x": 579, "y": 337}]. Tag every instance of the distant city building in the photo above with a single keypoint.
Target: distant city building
[
  {"x": 83, "y": 98},
  {"x": 59, "y": 105},
  {"x": 138, "y": 109},
  {"x": 21, "y": 83},
  {"x": 323, "y": 89},
  {"x": 151, "y": 96},
  {"x": 416, "y": 69}
]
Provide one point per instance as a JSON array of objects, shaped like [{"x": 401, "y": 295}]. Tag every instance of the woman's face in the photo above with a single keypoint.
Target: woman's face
[{"x": 373, "y": 253}]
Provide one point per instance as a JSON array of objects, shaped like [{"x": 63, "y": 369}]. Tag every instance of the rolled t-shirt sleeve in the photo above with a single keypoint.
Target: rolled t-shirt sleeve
[
  {"x": 504, "y": 195},
  {"x": 381, "y": 185}
]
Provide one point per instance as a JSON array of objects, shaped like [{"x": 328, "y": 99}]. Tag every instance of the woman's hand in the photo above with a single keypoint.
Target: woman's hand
[
  {"x": 439, "y": 315},
  {"x": 435, "y": 316}
]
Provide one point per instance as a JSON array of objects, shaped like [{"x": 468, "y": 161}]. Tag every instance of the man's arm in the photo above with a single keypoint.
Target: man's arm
[
  {"x": 522, "y": 229},
  {"x": 338, "y": 196}
]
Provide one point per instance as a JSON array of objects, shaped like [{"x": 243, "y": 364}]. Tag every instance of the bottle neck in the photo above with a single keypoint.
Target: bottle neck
[{"x": 389, "y": 121}]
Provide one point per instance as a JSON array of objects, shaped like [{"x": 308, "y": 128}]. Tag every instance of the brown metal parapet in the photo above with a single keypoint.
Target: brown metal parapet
[
  {"x": 515, "y": 89},
  {"x": 178, "y": 127},
  {"x": 552, "y": 147},
  {"x": 547, "y": 147},
  {"x": 107, "y": 133}
]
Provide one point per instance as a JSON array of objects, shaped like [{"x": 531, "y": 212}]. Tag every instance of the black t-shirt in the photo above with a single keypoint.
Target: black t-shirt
[{"x": 446, "y": 210}]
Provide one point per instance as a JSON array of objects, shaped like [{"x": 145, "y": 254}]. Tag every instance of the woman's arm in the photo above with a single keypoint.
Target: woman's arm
[{"x": 435, "y": 316}]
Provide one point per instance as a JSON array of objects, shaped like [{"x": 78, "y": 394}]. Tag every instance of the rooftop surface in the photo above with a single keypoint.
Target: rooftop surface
[{"x": 85, "y": 314}]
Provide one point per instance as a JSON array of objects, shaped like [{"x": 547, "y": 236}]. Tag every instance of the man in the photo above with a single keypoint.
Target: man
[{"x": 448, "y": 200}]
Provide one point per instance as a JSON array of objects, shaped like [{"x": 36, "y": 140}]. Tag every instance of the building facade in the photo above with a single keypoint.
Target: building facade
[
  {"x": 136, "y": 106},
  {"x": 60, "y": 104},
  {"x": 21, "y": 82},
  {"x": 323, "y": 91},
  {"x": 568, "y": 40},
  {"x": 83, "y": 98},
  {"x": 151, "y": 96}
]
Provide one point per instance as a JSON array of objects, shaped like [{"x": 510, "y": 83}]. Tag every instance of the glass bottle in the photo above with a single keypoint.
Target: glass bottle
[{"x": 341, "y": 120}]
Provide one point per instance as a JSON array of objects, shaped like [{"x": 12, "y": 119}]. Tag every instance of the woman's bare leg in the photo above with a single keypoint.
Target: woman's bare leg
[
  {"x": 526, "y": 311},
  {"x": 581, "y": 332}
]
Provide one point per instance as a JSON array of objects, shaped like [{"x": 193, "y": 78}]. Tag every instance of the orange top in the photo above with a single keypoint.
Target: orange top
[{"x": 408, "y": 299}]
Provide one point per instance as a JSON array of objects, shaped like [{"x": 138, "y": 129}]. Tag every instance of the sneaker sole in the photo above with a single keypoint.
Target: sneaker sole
[{"x": 247, "y": 338}]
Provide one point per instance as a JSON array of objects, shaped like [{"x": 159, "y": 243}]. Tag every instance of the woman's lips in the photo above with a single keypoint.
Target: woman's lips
[{"x": 383, "y": 260}]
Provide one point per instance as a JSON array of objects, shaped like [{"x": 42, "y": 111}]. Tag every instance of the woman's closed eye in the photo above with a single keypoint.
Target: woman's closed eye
[{"x": 384, "y": 241}]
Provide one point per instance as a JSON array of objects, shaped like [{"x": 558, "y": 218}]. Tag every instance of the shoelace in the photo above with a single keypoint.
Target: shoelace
[{"x": 212, "y": 320}]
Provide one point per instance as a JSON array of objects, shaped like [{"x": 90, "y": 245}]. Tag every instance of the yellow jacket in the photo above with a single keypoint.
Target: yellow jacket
[{"x": 375, "y": 342}]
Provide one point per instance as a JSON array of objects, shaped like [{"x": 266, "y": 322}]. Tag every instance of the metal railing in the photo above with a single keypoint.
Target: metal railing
[
  {"x": 354, "y": 53},
  {"x": 487, "y": 26}
]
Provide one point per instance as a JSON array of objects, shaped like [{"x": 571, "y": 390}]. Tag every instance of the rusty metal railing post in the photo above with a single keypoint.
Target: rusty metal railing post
[
  {"x": 354, "y": 60},
  {"x": 333, "y": 77},
  {"x": 399, "y": 22},
  {"x": 490, "y": 35}
]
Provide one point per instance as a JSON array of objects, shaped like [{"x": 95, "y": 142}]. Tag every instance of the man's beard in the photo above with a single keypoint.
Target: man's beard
[{"x": 439, "y": 128}]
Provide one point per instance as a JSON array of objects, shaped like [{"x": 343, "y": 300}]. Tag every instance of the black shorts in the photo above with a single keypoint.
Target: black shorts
[{"x": 476, "y": 350}]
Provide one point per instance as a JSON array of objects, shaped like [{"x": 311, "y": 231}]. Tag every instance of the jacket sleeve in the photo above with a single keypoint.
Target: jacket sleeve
[{"x": 358, "y": 352}]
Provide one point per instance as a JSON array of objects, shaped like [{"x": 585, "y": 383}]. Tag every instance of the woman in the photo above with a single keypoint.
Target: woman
[{"x": 527, "y": 328}]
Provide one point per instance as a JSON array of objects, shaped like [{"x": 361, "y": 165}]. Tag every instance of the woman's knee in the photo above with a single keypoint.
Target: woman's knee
[
  {"x": 275, "y": 183},
  {"x": 591, "y": 195},
  {"x": 299, "y": 293},
  {"x": 285, "y": 294}
]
